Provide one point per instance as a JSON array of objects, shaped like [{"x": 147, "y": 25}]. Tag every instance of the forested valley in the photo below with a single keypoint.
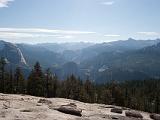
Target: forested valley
[{"x": 136, "y": 94}]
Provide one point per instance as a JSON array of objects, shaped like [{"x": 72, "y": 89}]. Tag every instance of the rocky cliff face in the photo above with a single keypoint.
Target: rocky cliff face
[
  {"x": 12, "y": 53},
  {"x": 24, "y": 107}
]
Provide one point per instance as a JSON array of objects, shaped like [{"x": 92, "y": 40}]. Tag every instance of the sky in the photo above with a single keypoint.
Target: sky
[{"x": 37, "y": 21}]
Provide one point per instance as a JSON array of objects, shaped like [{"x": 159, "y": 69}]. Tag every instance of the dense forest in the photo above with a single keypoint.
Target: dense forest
[{"x": 136, "y": 94}]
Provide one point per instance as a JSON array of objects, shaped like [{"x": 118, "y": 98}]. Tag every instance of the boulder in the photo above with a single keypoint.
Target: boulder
[
  {"x": 72, "y": 104},
  {"x": 6, "y": 105},
  {"x": 134, "y": 114},
  {"x": 107, "y": 106},
  {"x": 45, "y": 101},
  {"x": 155, "y": 116},
  {"x": 26, "y": 110},
  {"x": 70, "y": 109},
  {"x": 116, "y": 110},
  {"x": 115, "y": 117}
]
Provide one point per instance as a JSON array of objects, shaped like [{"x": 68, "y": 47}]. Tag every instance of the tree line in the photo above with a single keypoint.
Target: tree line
[{"x": 136, "y": 94}]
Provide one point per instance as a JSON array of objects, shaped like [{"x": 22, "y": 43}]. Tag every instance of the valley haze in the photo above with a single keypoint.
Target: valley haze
[{"x": 124, "y": 59}]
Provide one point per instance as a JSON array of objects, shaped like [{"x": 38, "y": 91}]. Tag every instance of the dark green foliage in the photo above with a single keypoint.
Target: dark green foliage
[
  {"x": 70, "y": 88},
  {"x": 36, "y": 83},
  {"x": 136, "y": 94},
  {"x": 19, "y": 81},
  {"x": 89, "y": 90},
  {"x": 143, "y": 95},
  {"x": 9, "y": 83},
  {"x": 51, "y": 84},
  {"x": 2, "y": 74}
]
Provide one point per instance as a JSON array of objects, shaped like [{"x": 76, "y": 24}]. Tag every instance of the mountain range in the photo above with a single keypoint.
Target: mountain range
[{"x": 119, "y": 60}]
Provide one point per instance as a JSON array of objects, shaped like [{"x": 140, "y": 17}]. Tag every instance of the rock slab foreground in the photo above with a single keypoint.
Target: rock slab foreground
[{"x": 25, "y": 107}]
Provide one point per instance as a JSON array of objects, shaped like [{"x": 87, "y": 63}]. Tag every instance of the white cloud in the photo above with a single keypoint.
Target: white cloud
[
  {"x": 66, "y": 37},
  {"x": 10, "y": 35},
  {"x": 4, "y": 3},
  {"x": 149, "y": 33},
  {"x": 40, "y": 30},
  {"x": 112, "y": 35},
  {"x": 18, "y": 33},
  {"x": 108, "y": 3},
  {"x": 50, "y": 34}
]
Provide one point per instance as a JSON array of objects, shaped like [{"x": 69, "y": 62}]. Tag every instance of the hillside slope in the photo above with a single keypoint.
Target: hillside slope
[
  {"x": 138, "y": 64},
  {"x": 12, "y": 53}
]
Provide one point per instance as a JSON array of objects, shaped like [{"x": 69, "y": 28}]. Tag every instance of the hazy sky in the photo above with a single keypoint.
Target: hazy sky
[{"x": 33, "y": 21}]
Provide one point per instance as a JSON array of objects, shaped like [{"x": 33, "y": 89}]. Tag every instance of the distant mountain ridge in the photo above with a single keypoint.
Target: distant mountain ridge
[
  {"x": 119, "y": 60},
  {"x": 61, "y": 47},
  {"x": 116, "y": 47},
  {"x": 135, "y": 64},
  {"x": 46, "y": 57}
]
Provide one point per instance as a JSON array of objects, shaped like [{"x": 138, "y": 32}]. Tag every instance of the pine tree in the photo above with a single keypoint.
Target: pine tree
[
  {"x": 116, "y": 92},
  {"x": 55, "y": 85},
  {"x": 36, "y": 82},
  {"x": 11, "y": 79},
  {"x": 70, "y": 88},
  {"x": 83, "y": 96},
  {"x": 51, "y": 84},
  {"x": 157, "y": 103},
  {"x": 2, "y": 74},
  {"x": 19, "y": 81},
  {"x": 9, "y": 82},
  {"x": 89, "y": 88},
  {"x": 47, "y": 76},
  {"x": 74, "y": 84}
]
